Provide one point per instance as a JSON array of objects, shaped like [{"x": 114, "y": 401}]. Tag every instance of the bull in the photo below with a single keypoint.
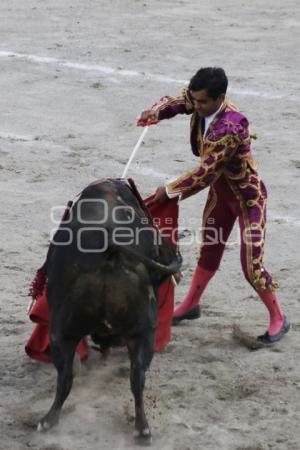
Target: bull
[{"x": 104, "y": 266}]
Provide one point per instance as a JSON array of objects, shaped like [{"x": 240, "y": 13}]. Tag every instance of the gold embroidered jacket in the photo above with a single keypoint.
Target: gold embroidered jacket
[{"x": 225, "y": 149}]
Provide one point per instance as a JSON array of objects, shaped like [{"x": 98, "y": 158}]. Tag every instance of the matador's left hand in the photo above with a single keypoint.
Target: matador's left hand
[{"x": 160, "y": 196}]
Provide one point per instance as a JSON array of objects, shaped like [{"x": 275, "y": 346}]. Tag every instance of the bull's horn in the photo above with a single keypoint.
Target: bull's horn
[{"x": 170, "y": 269}]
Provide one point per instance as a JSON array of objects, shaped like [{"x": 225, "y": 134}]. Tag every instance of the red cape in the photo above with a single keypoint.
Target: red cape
[{"x": 165, "y": 217}]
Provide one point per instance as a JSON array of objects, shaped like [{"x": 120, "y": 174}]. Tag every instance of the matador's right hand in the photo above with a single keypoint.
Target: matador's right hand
[{"x": 148, "y": 117}]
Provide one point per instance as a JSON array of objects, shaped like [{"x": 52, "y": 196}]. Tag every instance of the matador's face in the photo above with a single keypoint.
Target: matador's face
[{"x": 204, "y": 105}]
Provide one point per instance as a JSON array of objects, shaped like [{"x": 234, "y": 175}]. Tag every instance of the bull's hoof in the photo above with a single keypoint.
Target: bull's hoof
[
  {"x": 43, "y": 426},
  {"x": 143, "y": 438},
  {"x": 46, "y": 423}
]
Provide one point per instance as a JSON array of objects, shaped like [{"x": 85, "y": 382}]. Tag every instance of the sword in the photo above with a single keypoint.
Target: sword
[
  {"x": 133, "y": 153},
  {"x": 138, "y": 144}
]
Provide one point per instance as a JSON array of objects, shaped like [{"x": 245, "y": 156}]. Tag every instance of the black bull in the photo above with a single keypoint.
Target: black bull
[{"x": 104, "y": 267}]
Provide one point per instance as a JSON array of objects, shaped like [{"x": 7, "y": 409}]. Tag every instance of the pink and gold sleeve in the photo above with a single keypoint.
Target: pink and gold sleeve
[
  {"x": 212, "y": 163},
  {"x": 169, "y": 107}
]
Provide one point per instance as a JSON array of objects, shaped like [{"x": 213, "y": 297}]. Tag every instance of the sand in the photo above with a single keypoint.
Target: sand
[{"x": 74, "y": 76}]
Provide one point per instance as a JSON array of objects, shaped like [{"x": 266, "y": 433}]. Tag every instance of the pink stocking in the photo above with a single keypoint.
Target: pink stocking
[
  {"x": 200, "y": 280},
  {"x": 276, "y": 316}
]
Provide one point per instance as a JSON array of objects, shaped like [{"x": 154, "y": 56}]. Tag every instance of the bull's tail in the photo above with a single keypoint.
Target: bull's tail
[{"x": 38, "y": 283}]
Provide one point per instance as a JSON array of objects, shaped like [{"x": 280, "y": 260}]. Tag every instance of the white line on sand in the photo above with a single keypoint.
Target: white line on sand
[
  {"x": 125, "y": 73},
  {"x": 12, "y": 137},
  {"x": 137, "y": 169},
  {"x": 15, "y": 137},
  {"x": 289, "y": 220},
  {"x": 106, "y": 70}
]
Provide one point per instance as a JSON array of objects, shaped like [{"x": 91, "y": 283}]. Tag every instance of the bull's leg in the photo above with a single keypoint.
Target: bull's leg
[
  {"x": 63, "y": 354},
  {"x": 141, "y": 352}
]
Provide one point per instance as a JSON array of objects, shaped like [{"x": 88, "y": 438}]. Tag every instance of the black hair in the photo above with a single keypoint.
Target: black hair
[{"x": 211, "y": 79}]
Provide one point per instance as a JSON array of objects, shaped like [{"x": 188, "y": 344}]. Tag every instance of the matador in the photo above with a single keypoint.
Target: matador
[{"x": 220, "y": 137}]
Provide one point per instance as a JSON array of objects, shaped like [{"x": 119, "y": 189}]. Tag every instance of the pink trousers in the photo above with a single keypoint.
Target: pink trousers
[{"x": 225, "y": 204}]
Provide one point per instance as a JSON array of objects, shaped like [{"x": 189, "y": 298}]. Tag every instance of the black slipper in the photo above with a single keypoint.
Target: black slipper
[
  {"x": 194, "y": 313},
  {"x": 267, "y": 339}
]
